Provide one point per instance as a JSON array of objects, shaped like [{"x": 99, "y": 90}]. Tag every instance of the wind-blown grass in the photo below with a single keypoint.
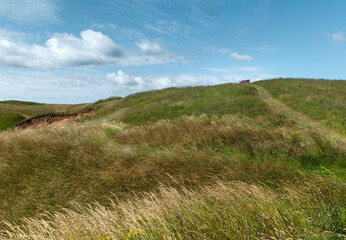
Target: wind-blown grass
[
  {"x": 160, "y": 154},
  {"x": 233, "y": 210},
  {"x": 42, "y": 169}
]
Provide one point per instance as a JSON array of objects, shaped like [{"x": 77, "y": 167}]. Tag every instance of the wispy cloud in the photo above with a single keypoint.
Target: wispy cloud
[
  {"x": 338, "y": 37},
  {"x": 171, "y": 28},
  {"x": 266, "y": 49},
  {"x": 28, "y": 11},
  {"x": 239, "y": 57},
  {"x": 237, "y": 73},
  {"x": 151, "y": 48},
  {"x": 122, "y": 32},
  {"x": 220, "y": 50},
  {"x": 235, "y": 69}
]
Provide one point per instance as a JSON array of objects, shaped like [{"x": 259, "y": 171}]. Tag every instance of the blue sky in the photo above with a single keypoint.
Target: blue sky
[{"x": 64, "y": 51}]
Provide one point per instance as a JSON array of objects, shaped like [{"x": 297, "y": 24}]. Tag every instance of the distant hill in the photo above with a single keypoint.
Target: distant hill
[{"x": 233, "y": 161}]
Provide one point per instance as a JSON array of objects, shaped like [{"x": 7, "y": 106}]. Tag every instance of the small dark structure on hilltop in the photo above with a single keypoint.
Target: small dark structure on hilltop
[{"x": 245, "y": 81}]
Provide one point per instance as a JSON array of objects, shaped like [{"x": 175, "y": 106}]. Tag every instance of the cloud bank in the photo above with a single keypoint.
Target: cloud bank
[{"x": 90, "y": 49}]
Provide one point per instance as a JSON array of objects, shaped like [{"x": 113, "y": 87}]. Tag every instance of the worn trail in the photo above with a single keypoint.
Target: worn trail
[{"x": 297, "y": 117}]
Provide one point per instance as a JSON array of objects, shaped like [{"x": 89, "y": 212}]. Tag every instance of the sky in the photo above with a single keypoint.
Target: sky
[{"x": 77, "y": 51}]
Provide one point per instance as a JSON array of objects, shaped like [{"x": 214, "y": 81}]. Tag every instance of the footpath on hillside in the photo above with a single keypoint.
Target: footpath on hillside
[{"x": 297, "y": 117}]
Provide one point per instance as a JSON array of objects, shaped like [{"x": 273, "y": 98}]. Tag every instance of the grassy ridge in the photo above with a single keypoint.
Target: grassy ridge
[
  {"x": 319, "y": 99},
  {"x": 20, "y": 102},
  {"x": 218, "y": 100},
  {"x": 13, "y": 112},
  {"x": 274, "y": 178}
]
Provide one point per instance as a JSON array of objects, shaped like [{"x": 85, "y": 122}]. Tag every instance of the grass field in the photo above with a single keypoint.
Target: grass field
[
  {"x": 182, "y": 163},
  {"x": 319, "y": 99}
]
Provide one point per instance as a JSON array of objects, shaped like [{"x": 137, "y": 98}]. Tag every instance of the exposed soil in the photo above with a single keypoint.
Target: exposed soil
[{"x": 48, "y": 119}]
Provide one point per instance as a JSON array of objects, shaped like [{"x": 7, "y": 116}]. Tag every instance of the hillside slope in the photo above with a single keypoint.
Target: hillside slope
[
  {"x": 204, "y": 162},
  {"x": 13, "y": 112},
  {"x": 321, "y": 100}
]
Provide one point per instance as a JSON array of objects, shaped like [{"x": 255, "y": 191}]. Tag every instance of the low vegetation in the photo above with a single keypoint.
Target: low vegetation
[
  {"x": 322, "y": 100},
  {"x": 190, "y": 163}
]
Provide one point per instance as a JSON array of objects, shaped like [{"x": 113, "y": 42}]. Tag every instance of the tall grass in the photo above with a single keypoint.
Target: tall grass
[
  {"x": 49, "y": 167},
  {"x": 225, "y": 210}
]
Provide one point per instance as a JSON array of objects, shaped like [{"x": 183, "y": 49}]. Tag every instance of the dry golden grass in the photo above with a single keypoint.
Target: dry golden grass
[
  {"x": 225, "y": 210},
  {"x": 42, "y": 169}
]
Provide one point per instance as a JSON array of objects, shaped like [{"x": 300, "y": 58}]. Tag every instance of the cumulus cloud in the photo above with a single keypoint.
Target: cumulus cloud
[
  {"x": 92, "y": 48},
  {"x": 121, "y": 78},
  {"x": 66, "y": 50},
  {"x": 151, "y": 48},
  {"x": 137, "y": 83},
  {"x": 238, "y": 57}
]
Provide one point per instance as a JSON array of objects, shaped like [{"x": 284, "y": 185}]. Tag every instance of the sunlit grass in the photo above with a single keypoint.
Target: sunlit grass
[
  {"x": 319, "y": 99},
  {"x": 181, "y": 163}
]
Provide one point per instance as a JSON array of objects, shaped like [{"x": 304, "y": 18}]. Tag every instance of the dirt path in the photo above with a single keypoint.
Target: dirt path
[{"x": 297, "y": 117}]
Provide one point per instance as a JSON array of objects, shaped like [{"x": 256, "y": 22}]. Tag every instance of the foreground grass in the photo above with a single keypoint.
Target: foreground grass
[
  {"x": 225, "y": 210},
  {"x": 319, "y": 99},
  {"x": 42, "y": 169}
]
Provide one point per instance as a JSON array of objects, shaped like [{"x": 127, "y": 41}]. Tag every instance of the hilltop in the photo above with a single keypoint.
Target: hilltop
[{"x": 233, "y": 161}]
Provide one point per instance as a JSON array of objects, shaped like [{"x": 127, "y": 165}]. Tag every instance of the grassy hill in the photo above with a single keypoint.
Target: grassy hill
[
  {"x": 322, "y": 100},
  {"x": 13, "y": 112},
  {"x": 216, "y": 162}
]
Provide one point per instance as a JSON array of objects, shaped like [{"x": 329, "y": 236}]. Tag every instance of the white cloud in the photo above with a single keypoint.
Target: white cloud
[
  {"x": 238, "y": 57},
  {"x": 138, "y": 84},
  {"x": 65, "y": 50},
  {"x": 28, "y": 11},
  {"x": 121, "y": 78},
  {"x": 93, "y": 48},
  {"x": 339, "y": 36},
  {"x": 59, "y": 86},
  {"x": 151, "y": 48}
]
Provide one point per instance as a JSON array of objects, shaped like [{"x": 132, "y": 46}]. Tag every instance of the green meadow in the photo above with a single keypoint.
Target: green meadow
[{"x": 233, "y": 161}]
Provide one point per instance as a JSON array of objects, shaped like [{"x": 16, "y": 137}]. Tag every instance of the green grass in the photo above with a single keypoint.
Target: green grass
[
  {"x": 177, "y": 102},
  {"x": 107, "y": 100},
  {"x": 20, "y": 102},
  {"x": 13, "y": 112},
  {"x": 188, "y": 163},
  {"x": 319, "y": 99},
  {"x": 9, "y": 120}
]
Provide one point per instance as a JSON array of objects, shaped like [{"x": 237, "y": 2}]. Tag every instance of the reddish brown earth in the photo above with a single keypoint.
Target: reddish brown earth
[{"x": 48, "y": 119}]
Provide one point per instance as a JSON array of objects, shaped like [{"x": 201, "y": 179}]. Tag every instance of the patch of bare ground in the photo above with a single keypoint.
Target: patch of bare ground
[{"x": 48, "y": 119}]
